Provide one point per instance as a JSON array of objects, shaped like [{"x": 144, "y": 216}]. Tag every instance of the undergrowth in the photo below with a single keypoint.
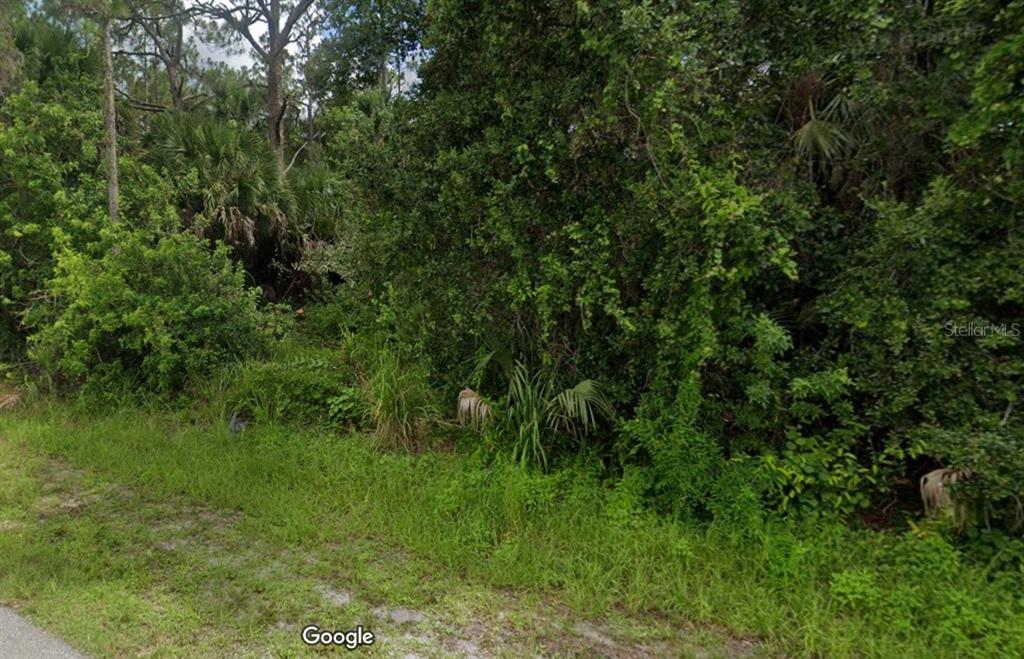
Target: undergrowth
[{"x": 816, "y": 590}]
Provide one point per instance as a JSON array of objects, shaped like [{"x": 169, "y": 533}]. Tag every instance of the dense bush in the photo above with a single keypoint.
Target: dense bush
[
  {"x": 304, "y": 386},
  {"x": 755, "y": 231},
  {"x": 761, "y": 236},
  {"x": 996, "y": 460},
  {"x": 151, "y": 311},
  {"x": 50, "y": 193}
]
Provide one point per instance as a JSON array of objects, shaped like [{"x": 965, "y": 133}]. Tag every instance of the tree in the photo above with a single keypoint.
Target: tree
[
  {"x": 308, "y": 32},
  {"x": 163, "y": 23},
  {"x": 9, "y": 55},
  {"x": 110, "y": 123},
  {"x": 279, "y": 20},
  {"x": 370, "y": 42},
  {"x": 103, "y": 13}
]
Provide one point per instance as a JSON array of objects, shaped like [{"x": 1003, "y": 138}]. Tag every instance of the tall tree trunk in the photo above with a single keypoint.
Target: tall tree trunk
[
  {"x": 275, "y": 92},
  {"x": 275, "y": 104},
  {"x": 309, "y": 119},
  {"x": 177, "y": 84},
  {"x": 384, "y": 87},
  {"x": 399, "y": 64},
  {"x": 110, "y": 119}
]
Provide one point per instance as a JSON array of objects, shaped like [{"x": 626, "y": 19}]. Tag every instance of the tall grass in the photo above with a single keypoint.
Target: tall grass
[
  {"x": 816, "y": 591},
  {"x": 400, "y": 402},
  {"x": 297, "y": 385}
]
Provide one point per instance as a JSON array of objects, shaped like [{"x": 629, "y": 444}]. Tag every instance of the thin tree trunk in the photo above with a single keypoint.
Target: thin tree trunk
[
  {"x": 309, "y": 119},
  {"x": 176, "y": 84},
  {"x": 110, "y": 118},
  {"x": 398, "y": 73},
  {"x": 174, "y": 68},
  {"x": 275, "y": 105},
  {"x": 275, "y": 91}
]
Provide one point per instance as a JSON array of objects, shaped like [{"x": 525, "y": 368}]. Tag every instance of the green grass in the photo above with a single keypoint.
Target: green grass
[{"x": 442, "y": 531}]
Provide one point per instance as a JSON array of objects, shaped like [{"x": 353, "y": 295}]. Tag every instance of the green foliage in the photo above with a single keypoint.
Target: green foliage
[
  {"x": 232, "y": 97},
  {"x": 400, "y": 403},
  {"x": 736, "y": 499},
  {"x": 52, "y": 191},
  {"x": 300, "y": 385},
  {"x": 156, "y": 312},
  {"x": 755, "y": 232},
  {"x": 346, "y": 406},
  {"x": 9, "y": 56},
  {"x": 333, "y": 314},
  {"x": 817, "y": 476},
  {"x": 856, "y": 590},
  {"x": 762, "y": 227},
  {"x": 228, "y": 180},
  {"x": 366, "y": 40},
  {"x": 537, "y": 412},
  {"x": 48, "y": 191},
  {"x": 995, "y": 458},
  {"x": 909, "y": 588}
]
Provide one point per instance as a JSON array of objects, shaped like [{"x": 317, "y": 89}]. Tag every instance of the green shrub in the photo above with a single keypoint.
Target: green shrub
[
  {"x": 735, "y": 498},
  {"x": 814, "y": 476},
  {"x": 539, "y": 412},
  {"x": 301, "y": 385},
  {"x": 146, "y": 313},
  {"x": 50, "y": 195},
  {"x": 347, "y": 406},
  {"x": 856, "y": 589},
  {"x": 684, "y": 462},
  {"x": 996, "y": 458},
  {"x": 334, "y": 313},
  {"x": 921, "y": 582}
]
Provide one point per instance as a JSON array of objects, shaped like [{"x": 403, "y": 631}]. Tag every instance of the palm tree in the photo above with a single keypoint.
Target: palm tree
[
  {"x": 235, "y": 190},
  {"x": 537, "y": 410}
]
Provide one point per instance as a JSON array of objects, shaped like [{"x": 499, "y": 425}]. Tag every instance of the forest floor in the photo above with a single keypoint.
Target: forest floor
[{"x": 120, "y": 570}]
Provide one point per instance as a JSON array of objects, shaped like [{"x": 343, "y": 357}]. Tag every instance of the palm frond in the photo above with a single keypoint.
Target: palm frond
[
  {"x": 535, "y": 411},
  {"x": 820, "y": 138},
  {"x": 472, "y": 410},
  {"x": 576, "y": 410},
  {"x": 234, "y": 179},
  {"x": 10, "y": 400},
  {"x": 840, "y": 109}
]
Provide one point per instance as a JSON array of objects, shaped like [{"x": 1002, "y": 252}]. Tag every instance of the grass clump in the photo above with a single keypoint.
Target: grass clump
[
  {"x": 400, "y": 402},
  {"x": 361, "y": 384}
]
